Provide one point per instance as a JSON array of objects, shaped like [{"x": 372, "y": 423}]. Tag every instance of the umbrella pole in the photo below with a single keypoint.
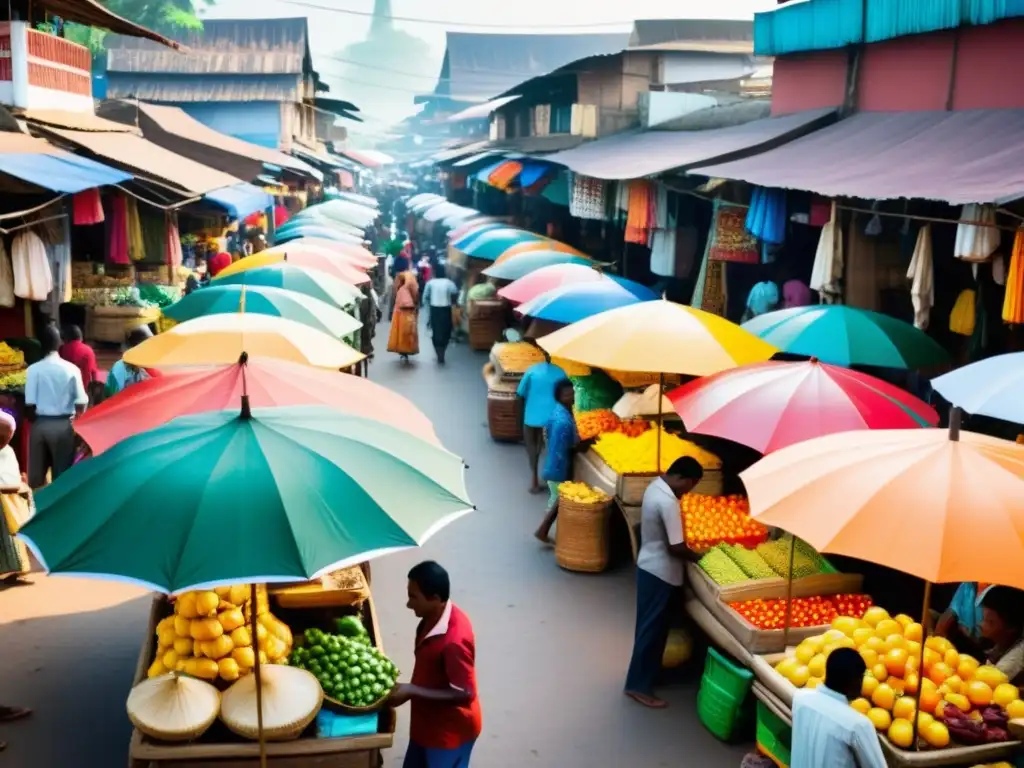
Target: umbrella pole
[
  {"x": 789, "y": 593},
  {"x": 254, "y": 624},
  {"x": 661, "y": 394},
  {"x": 925, "y": 621}
]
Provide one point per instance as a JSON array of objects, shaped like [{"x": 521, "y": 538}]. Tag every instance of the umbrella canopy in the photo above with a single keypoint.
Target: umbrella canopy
[
  {"x": 547, "y": 279},
  {"x": 572, "y": 303},
  {"x": 280, "y": 494},
  {"x": 990, "y": 387},
  {"x": 656, "y": 337},
  {"x": 459, "y": 215},
  {"x": 428, "y": 203},
  {"x": 310, "y": 259},
  {"x": 530, "y": 262},
  {"x": 321, "y": 231},
  {"x": 423, "y": 198},
  {"x": 269, "y": 383},
  {"x": 353, "y": 255},
  {"x": 222, "y": 339},
  {"x": 913, "y": 499},
  {"x": 474, "y": 226},
  {"x": 276, "y": 302},
  {"x": 438, "y": 212},
  {"x": 490, "y": 231},
  {"x": 349, "y": 250},
  {"x": 538, "y": 245},
  {"x": 848, "y": 336},
  {"x": 768, "y": 406},
  {"x": 491, "y": 245},
  {"x": 311, "y": 282}
]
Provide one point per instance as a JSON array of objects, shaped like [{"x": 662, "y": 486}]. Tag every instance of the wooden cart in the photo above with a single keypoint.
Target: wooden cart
[{"x": 233, "y": 752}]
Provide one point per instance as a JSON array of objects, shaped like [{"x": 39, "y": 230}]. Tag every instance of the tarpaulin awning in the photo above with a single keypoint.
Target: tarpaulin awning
[
  {"x": 478, "y": 111},
  {"x": 241, "y": 199},
  {"x": 473, "y": 159},
  {"x": 505, "y": 174},
  {"x": 485, "y": 173},
  {"x": 974, "y": 156},
  {"x": 316, "y": 157},
  {"x": 646, "y": 153},
  {"x": 531, "y": 174},
  {"x": 456, "y": 152},
  {"x": 38, "y": 162}
]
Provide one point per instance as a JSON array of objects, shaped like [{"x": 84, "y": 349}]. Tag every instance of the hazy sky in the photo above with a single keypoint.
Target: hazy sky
[{"x": 330, "y": 30}]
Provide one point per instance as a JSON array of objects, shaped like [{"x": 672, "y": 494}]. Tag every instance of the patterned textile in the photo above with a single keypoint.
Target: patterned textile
[
  {"x": 729, "y": 239},
  {"x": 587, "y": 197}
]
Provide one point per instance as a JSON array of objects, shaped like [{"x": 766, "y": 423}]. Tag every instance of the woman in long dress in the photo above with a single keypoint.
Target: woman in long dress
[
  {"x": 16, "y": 509},
  {"x": 405, "y": 337}
]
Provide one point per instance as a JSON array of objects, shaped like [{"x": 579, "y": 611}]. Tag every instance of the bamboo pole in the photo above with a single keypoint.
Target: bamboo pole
[
  {"x": 925, "y": 621},
  {"x": 254, "y": 625}
]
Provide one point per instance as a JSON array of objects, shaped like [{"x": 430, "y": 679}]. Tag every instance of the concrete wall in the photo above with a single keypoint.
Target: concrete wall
[{"x": 258, "y": 122}]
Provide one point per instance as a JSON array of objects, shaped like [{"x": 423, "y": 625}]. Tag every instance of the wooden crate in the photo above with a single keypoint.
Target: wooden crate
[
  {"x": 630, "y": 489},
  {"x": 234, "y": 752},
  {"x": 775, "y": 588}
]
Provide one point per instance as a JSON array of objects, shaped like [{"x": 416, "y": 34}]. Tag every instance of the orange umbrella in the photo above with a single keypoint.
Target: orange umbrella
[{"x": 542, "y": 245}]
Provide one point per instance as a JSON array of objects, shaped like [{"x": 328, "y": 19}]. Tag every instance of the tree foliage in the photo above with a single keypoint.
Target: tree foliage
[{"x": 168, "y": 16}]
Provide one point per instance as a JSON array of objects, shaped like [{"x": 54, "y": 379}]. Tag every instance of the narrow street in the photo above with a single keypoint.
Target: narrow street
[{"x": 552, "y": 646}]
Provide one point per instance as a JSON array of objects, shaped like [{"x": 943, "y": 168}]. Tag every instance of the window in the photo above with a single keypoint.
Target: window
[{"x": 561, "y": 118}]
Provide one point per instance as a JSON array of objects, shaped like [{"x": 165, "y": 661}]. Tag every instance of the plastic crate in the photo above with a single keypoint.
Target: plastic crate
[
  {"x": 723, "y": 691},
  {"x": 731, "y": 678},
  {"x": 774, "y": 737}
]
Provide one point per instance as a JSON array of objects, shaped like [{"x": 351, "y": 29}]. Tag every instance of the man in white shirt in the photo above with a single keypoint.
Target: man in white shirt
[
  {"x": 827, "y": 731},
  {"x": 659, "y": 573},
  {"x": 54, "y": 395}
]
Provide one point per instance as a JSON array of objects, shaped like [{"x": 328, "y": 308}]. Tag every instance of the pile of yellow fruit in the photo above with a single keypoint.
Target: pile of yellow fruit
[
  {"x": 13, "y": 382},
  {"x": 209, "y": 635},
  {"x": 10, "y": 356},
  {"x": 516, "y": 357},
  {"x": 582, "y": 493},
  {"x": 639, "y": 455},
  {"x": 891, "y": 648}
]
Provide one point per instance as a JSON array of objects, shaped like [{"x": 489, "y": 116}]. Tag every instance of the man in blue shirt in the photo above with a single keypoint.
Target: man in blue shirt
[
  {"x": 537, "y": 390},
  {"x": 563, "y": 439},
  {"x": 827, "y": 731}
]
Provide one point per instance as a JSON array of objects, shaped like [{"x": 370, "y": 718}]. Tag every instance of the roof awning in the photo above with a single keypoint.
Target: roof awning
[
  {"x": 456, "y": 152},
  {"x": 316, "y": 157},
  {"x": 93, "y": 14},
  {"x": 476, "y": 159},
  {"x": 241, "y": 199},
  {"x": 478, "y": 111},
  {"x": 37, "y": 162},
  {"x": 975, "y": 156},
  {"x": 77, "y": 121},
  {"x": 646, "y": 153}
]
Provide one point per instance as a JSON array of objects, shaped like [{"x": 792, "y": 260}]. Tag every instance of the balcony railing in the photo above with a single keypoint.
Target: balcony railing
[{"x": 58, "y": 64}]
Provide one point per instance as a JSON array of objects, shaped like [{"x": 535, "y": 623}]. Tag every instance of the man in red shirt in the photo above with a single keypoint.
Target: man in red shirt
[
  {"x": 79, "y": 354},
  {"x": 445, "y": 709}
]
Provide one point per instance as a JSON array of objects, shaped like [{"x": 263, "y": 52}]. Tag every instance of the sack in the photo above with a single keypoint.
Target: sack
[{"x": 456, "y": 317}]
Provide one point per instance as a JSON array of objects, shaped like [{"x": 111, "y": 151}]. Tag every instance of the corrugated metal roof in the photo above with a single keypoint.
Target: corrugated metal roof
[
  {"x": 637, "y": 154},
  {"x": 78, "y": 121},
  {"x": 478, "y": 111},
  {"x": 648, "y": 32},
  {"x": 189, "y": 89},
  {"x": 93, "y": 14},
  {"x": 457, "y": 152},
  {"x": 974, "y": 156}
]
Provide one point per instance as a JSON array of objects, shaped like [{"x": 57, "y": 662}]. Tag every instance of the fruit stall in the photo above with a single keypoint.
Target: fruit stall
[{"x": 325, "y": 678}]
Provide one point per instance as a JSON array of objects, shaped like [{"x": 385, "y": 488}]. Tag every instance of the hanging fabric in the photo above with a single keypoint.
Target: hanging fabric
[
  {"x": 640, "y": 218},
  {"x": 172, "y": 249},
  {"x": 154, "y": 234},
  {"x": 663, "y": 240},
  {"x": 961, "y": 319},
  {"x": 56, "y": 235},
  {"x": 976, "y": 242},
  {"x": 117, "y": 230},
  {"x": 7, "y": 298},
  {"x": 922, "y": 277},
  {"x": 587, "y": 197},
  {"x": 136, "y": 243},
  {"x": 766, "y": 217},
  {"x": 1013, "y": 302},
  {"x": 827, "y": 272},
  {"x": 709, "y": 292},
  {"x": 33, "y": 278},
  {"x": 729, "y": 239},
  {"x": 87, "y": 208},
  {"x": 874, "y": 225}
]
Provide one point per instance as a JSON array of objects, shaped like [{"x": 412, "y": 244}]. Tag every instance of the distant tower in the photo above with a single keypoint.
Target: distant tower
[{"x": 381, "y": 24}]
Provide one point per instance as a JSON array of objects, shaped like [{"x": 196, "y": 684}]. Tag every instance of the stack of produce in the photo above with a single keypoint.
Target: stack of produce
[
  {"x": 582, "y": 493},
  {"x": 751, "y": 563},
  {"x": 639, "y": 455},
  {"x": 814, "y": 611},
  {"x": 349, "y": 668},
  {"x": 721, "y": 568},
  {"x": 635, "y": 427},
  {"x": 11, "y": 357},
  {"x": 209, "y": 635},
  {"x": 516, "y": 357},
  {"x": 13, "y": 382},
  {"x": 595, "y": 391},
  {"x": 712, "y": 520},
  {"x": 806, "y": 562},
  {"x": 960, "y": 697},
  {"x": 590, "y": 424}
]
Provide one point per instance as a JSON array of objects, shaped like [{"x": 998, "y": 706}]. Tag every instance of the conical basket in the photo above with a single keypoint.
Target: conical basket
[{"x": 581, "y": 538}]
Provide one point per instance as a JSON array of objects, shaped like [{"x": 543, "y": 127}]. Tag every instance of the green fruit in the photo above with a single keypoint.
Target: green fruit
[
  {"x": 317, "y": 651},
  {"x": 350, "y": 626}
]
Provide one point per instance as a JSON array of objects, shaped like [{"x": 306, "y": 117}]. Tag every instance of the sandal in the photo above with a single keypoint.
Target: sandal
[{"x": 9, "y": 714}]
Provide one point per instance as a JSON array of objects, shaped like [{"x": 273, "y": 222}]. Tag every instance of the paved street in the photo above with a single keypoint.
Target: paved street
[{"x": 552, "y": 646}]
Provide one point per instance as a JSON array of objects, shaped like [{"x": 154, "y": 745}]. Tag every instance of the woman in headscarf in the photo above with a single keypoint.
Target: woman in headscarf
[
  {"x": 17, "y": 509},
  {"x": 404, "y": 338},
  {"x": 122, "y": 374}
]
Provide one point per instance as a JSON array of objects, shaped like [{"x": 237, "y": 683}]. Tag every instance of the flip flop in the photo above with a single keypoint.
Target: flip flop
[
  {"x": 650, "y": 702},
  {"x": 9, "y": 714}
]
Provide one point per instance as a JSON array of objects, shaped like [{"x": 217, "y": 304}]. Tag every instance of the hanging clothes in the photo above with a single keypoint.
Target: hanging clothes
[
  {"x": 729, "y": 239},
  {"x": 766, "y": 217},
  {"x": 976, "y": 242},
  {"x": 136, "y": 243},
  {"x": 154, "y": 234},
  {"x": 56, "y": 235},
  {"x": 173, "y": 256},
  {"x": 922, "y": 277},
  {"x": 1013, "y": 302},
  {"x": 7, "y": 298},
  {"x": 117, "y": 231},
  {"x": 663, "y": 240},
  {"x": 961, "y": 319},
  {"x": 641, "y": 214},
  {"x": 33, "y": 278},
  {"x": 587, "y": 197},
  {"x": 827, "y": 272},
  {"x": 87, "y": 208},
  {"x": 795, "y": 293}
]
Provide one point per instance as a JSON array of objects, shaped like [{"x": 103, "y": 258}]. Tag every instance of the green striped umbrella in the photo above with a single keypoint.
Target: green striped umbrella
[
  {"x": 278, "y": 494},
  {"x": 311, "y": 282},
  {"x": 525, "y": 263}
]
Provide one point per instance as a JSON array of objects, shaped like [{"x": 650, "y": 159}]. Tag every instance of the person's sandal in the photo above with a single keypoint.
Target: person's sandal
[{"x": 9, "y": 714}]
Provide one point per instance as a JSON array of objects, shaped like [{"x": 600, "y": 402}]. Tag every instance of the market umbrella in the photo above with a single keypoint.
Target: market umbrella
[
  {"x": 474, "y": 226},
  {"x": 276, "y": 302},
  {"x": 529, "y": 262},
  {"x": 768, "y": 406},
  {"x": 312, "y": 282},
  {"x": 269, "y": 383},
  {"x": 222, "y": 339},
  {"x": 356, "y": 253},
  {"x": 848, "y": 336},
  {"x": 357, "y": 257},
  {"x": 547, "y": 279},
  {"x": 572, "y": 303},
  {"x": 657, "y": 337},
  {"x": 498, "y": 229},
  {"x": 491, "y": 245},
  {"x": 539, "y": 245},
  {"x": 990, "y": 387},
  {"x": 317, "y": 260},
  {"x": 317, "y": 230}
]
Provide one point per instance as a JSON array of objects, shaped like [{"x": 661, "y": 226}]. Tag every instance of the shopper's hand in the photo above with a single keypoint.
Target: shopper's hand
[{"x": 400, "y": 694}]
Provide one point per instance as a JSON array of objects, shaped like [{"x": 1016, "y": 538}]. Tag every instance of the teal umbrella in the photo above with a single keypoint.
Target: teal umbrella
[
  {"x": 220, "y": 299},
  {"x": 491, "y": 245},
  {"x": 525, "y": 263},
  {"x": 311, "y": 282},
  {"x": 278, "y": 494},
  {"x": 847, "y": 336}
]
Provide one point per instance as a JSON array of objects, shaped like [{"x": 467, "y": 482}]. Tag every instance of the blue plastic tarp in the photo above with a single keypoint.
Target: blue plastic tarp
[
  {"x": 485, "y": 172},
  {"x": 531, "y": 174},
  {"x": 241, "y": 199},
  {"x": 60, "y": 172}
]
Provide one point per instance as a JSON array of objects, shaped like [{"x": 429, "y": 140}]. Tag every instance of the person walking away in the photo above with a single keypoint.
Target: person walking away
[
  {"x": 405, "y": 336},
  {"x": 446, "y": 719},
  {"x": 659, "y": 574},
  {"x": 122, "y": 375},
  {"x": 827, "y": 731},
  {"x": 563, "y": 440},
  {"x": 82, "y": 356},
  {"x": 16, "y": 508},
  {"x": 441, "y": 295},
  {"x": 537, "y": 392},
  {"x": 54, "y": 395}
]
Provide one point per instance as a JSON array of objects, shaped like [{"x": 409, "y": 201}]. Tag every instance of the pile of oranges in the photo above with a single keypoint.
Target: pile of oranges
[
  {"x": 896, "y": 670},
  {"x": 712, "y": 520},
  {"x": 593, "y": 423}
]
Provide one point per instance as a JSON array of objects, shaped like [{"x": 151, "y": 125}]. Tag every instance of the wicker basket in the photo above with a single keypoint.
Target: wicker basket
[
  {"x": 111, "y": 324},
  {"x": 503, "y": 419},
  {"x": 581, "y": 538},
  {"x": 348, "y": 709},
  {"x": 486, "y": 324}
]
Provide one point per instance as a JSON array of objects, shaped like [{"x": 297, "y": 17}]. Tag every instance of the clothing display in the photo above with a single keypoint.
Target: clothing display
[
  {"x": 729, "y": 239},
  {"x": 136, "y": 244},
  {"x": 154, "y": 233},
  {"x": 827, "y": 272},
  {"x": 640, "y": 218},
  {"x": 56, "y": 235},
  {"x": 172, "y": 250},
  {"x": 33, "y": 278},
  {"x": 976, "y": 242},
  {"x": 663, "y": 240},
  {"x": 922, "y": 277},
  {"x": 1013, "y": 303},
  {"x": 87, "y": 207},
  {"x": 586, "y": 197},
  {"x": 7, "y": 298},
  {"x": 763, "y": 298},
  {"x": 961, "y": 319},
  {"x": 766, "y": 217},
  {"x": 795, "y": 293},
  {"x": 117, "y": 248}
]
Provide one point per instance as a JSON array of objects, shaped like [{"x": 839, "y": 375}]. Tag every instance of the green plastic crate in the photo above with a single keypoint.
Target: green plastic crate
[
  {"x": 732, "y": 678},
  {"x": 723, "y": 691},
  {"x": 774, "y": 737}
]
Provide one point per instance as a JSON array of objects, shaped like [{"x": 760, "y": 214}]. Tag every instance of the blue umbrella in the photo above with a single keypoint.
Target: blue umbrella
[
  {"x": 571, "y": 303},
  {"x": 313, "y": 230},
  {"x": 491, "y": 245},
  {"x": 990, "y": 387},
  {"x": 503, "y": 230}
]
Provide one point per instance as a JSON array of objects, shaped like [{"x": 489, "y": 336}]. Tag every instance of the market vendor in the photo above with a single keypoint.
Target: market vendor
[
  {"x": 563, "y": 441},
  {"x": 961, "y": 621},
  {"x": 537, "y": 392},
  {"x": 122, "y": 375},
  {"x": 1002, "y": 629}
]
